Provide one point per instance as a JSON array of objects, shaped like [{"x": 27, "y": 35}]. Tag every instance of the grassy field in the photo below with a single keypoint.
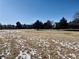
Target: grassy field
[{"x": 42, "y": 44}]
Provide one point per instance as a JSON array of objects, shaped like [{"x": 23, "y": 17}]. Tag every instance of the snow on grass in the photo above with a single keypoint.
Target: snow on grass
[
  {"x": 31, "y": 44},
  {"x": 23, "y": 55}
]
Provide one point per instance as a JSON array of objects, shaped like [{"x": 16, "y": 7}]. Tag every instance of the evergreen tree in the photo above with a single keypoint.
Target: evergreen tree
[
  {"x": 48, "y": 25},
  {"x": 38, "y": 25},
  {"x": 63, "y": 23},
  {"x": 18, "y": 25}
]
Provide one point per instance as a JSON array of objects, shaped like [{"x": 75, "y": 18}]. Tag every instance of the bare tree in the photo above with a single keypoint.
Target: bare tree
[{"x": 76, "y": 16}]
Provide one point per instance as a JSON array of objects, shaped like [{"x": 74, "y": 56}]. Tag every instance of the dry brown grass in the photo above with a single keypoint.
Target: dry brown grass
[{"x": 48, "y": 44}]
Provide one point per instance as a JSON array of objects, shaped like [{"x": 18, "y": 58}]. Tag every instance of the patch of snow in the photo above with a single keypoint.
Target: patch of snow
[
  {"x": 24, "y": 55},
  {"x": 39, "y": 57},
  {"x": 73, "y": 55},
  {"x": 3, "y": 58},
  {"x": 60, "y": 54},
  {"x": 33, "y": 51},
  {"x": 49, "y": 56}
]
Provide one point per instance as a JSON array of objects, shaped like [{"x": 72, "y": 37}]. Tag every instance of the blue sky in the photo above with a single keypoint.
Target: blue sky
[{"x": 28, "y": 11}]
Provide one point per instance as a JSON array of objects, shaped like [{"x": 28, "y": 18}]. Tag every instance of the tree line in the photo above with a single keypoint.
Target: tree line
[
  {"x": 62, "y": 24},
  {"x": 36, "y": 25}
]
